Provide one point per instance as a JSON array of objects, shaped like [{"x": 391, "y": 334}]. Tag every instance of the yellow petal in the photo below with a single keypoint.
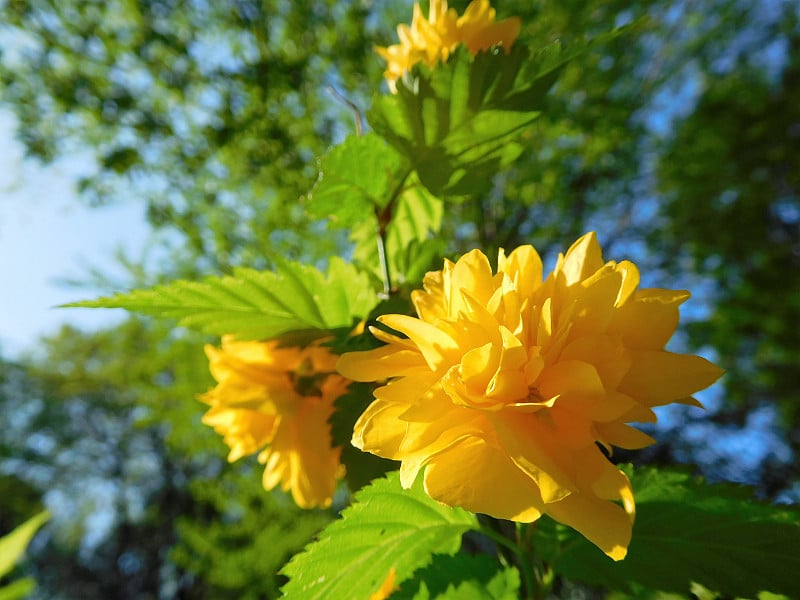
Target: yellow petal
[
  {"x": 594, "y": 302},
  {"x": 602, "y": 522},
  {"x": 479, "y": 31},
  {"x": 380, "y": 363},
  {"x": 472, "y": 274},
  {"x": 602, "y": 478},
  {"x": 582, "y": 259},
  {"x": 630, "y": 281},
  {"x": 302, "y": 457},
  {"x": 573, "y": 429},
  {"x": 524, "y": 268},
  {"x": 430, "y": 303},
  {"x": 379, "y": 430},
  {"x": 623, "y": 436},
  {"x": 463, "y": 396},
  {"x": 438, "y": 348},
  {"x": 480, "y": 478},
  {"x": 656, "y": 378},
  {"x": 478, "y": 365},
  {"x": 606, "y": 353},
  {"x": 612, "y": 407},
  {"x": 570, "y": 378},
  {"x": 433, "y": 437},
  {"x": 536, "y": 452},
  {"x": 649, "y": 318}
]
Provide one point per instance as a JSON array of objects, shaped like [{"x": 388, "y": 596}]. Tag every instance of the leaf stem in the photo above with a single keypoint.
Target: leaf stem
[
  {"x": 384, "y": 217},
  {"x": 499, "y": 539},
  {"x": 385, "y": 275}
]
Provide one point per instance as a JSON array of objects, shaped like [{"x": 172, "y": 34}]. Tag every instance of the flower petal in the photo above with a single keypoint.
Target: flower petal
[
  {"x": 656, "y": 378},
  {"x": 582, "y": 259},
  {"x": 380, "y": 363},
  {"x": 524, "y": 268},
  {"x": 536, "y": 452},
  {"x": 601, "y": 521},
  {"x": 479, "y": 477},
  {"x": 570, "y": 378},
  {"x": 300, "y": 455},
  {"x": 623, "y": 436},
  {"x": 438, "y": 348},
  {"x": 606, "y": 353},
  {"x": 649, "y": 318}
]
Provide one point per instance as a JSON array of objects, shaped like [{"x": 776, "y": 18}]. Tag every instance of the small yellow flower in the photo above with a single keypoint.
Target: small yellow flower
[
  {"x": 431, "y": 40},
  {"x": 503, "y": 387},
  {"x": 279, "y": 399}
]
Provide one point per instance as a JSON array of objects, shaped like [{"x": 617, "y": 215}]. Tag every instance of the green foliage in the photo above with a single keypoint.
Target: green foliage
[
  {"x": 21, "y": 588},
  {"x": 208, "y": 114},
  {"x": 236, "y": 536},
  {"x": 366, "y": 186},
  {"x": 460, "y": 122},
  {"x": 743, "y": 130},
  {"x": 461, "y": 577},
  {"x": 212, "y": 114},
  {"x": 385, "y": 528},
  {"x": 686, "y": 530},
  {"x": 257, "y": 304},
  {"x": 12, "y": 545},
  {"x": 12, "y": 548},
  {"x": 357, "y": 178},
  {"x": 412, "y": 246}
]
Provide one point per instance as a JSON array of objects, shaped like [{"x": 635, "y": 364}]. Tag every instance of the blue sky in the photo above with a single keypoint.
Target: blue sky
[{"x": 47, "y": 234}]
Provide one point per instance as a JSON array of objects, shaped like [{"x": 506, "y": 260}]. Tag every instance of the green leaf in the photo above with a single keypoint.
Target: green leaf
[
  {"x": 355, "y": 178},
  {"x": 16, "y": 590},
  {"x": 257, "y": 304},
  {"x": 386, "y": 527},
  {"x": 462, "y": 121},
  {"x": 12, "y": 545},
  {"x": 461, "y": 577},
  {"x": 685, "y": 531},
  {"x": 411, "y": 245}
]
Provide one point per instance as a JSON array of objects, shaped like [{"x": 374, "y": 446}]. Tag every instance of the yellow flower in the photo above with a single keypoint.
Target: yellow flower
[
  {"x": 281, "y": 398},
  {"x": 431, "y": 40},
  {"x": 505, "y": 385}
]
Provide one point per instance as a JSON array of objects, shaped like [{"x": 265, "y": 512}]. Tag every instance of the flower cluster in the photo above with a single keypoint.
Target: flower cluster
[
  {"x": 505, "y": 387},
  {"x": 431, "y": 40},
  {"x": 279, "y": 399}
]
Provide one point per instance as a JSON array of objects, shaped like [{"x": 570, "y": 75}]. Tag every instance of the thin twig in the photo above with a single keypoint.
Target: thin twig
[{"x": 352, "y": 105}]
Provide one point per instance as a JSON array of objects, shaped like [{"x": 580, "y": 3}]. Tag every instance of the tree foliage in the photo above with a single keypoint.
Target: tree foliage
[{"x": 678, "y": 140}]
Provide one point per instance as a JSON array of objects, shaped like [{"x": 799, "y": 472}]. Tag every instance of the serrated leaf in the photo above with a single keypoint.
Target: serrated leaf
[
  {"x": 686, "y": 530},
  {"x": 386, "y": 527},
  {"x": 459, "y": 122},
  {"x": 463, "y": 121},
  {"x": 257, "y": 304},
  {"x": 12, "y": 545},
  {"x": 461, "y": 577},
  {"x": 357, "y": 176}
]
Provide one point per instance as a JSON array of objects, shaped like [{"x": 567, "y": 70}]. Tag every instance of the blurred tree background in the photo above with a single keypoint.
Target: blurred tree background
[{"x": 679, "y": 142}]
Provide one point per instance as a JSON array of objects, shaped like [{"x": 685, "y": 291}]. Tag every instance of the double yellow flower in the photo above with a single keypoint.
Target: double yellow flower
[
  {"x": 277, "y": 401},
  {"x": 431, "y": 40},
  {"x": 504, "y": 388}
]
